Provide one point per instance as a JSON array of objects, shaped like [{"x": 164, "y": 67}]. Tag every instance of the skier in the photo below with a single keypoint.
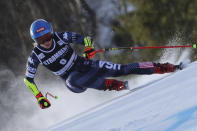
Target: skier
[{"x": 53, "y": 51}]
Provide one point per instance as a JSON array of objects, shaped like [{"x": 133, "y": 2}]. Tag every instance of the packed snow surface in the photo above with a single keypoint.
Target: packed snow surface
[{"x": 167, "y": 103}]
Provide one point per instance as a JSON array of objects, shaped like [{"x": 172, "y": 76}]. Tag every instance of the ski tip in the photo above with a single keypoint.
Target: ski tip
[
  {"x": 184, "y": 64},
  {"x": 126, "y": 85}
]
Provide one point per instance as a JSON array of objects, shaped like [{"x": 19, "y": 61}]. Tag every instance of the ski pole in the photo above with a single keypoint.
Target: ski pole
[
  {"x": 55, "y": 97},
  {"x": 146, "y": 47}
]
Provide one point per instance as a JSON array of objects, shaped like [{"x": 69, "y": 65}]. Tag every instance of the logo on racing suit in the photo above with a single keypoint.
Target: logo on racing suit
[
  {"x": 109, "y": 65},
  {"x": 54, "y": 57}
]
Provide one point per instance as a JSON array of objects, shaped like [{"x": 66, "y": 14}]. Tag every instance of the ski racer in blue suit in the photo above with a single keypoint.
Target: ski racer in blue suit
[{"x": 53, "y": 51}]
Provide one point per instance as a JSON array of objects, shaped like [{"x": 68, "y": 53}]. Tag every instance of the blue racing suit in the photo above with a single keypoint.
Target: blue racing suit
[{"x": 77, "y": 72}]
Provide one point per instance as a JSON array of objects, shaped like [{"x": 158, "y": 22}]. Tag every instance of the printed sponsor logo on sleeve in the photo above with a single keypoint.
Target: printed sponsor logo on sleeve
[
  {"x": 65, "y": 36},
  {"x": 30, "y": 60}
]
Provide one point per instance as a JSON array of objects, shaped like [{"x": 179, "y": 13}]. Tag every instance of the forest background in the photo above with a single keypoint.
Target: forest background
[{"x": 134, "y": 23}]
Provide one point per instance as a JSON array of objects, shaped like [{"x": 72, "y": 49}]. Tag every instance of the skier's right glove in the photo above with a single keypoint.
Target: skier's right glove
[{"x": 42, "y": 101}]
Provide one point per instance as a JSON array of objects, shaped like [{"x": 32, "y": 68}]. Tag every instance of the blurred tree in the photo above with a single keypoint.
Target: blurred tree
[
  {"x": 17, "y": 16},
  {"x": 156, "y": 22}
]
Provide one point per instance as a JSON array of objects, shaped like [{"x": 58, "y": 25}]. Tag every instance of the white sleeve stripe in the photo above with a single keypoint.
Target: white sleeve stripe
[
  {"x": 74, "y": 37},
  {"x": 28, "y": 74},
  {"x": 67, "y": 66},
  {"x": 37, "y": 57}
]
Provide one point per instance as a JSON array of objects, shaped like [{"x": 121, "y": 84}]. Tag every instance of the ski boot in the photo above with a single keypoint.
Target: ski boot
[
  {"x": 165, "y": 68},
  {"x": 113, "y": 84}
]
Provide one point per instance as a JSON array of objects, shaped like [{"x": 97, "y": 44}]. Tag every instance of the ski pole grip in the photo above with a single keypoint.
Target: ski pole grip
[{"x": 194, "y": 46}]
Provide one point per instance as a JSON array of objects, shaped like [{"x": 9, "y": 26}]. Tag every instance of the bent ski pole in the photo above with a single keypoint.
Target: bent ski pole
[
  {"x": 55, "y": 97},
  {"x": 146, "y": 47}
]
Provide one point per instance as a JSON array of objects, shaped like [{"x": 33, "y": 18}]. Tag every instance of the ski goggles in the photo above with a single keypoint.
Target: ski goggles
[{"x": 45, "y": 38}]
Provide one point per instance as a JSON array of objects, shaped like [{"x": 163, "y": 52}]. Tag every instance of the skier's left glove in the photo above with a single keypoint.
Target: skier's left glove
[
  {"x": 42, "y": 101},
  {"x": 89, "y": 51}
]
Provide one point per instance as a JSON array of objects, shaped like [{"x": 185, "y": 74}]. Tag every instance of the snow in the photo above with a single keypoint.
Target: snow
[{"x": 166, "y": 103}]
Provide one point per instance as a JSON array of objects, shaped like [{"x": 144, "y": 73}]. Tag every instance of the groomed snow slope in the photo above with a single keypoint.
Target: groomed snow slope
[{"x": 167, "y": 104}]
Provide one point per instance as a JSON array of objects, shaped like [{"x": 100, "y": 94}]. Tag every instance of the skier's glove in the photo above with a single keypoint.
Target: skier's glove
[
  {"x": 89, "y": 51},
  {"x": 42, "y": 101}
]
